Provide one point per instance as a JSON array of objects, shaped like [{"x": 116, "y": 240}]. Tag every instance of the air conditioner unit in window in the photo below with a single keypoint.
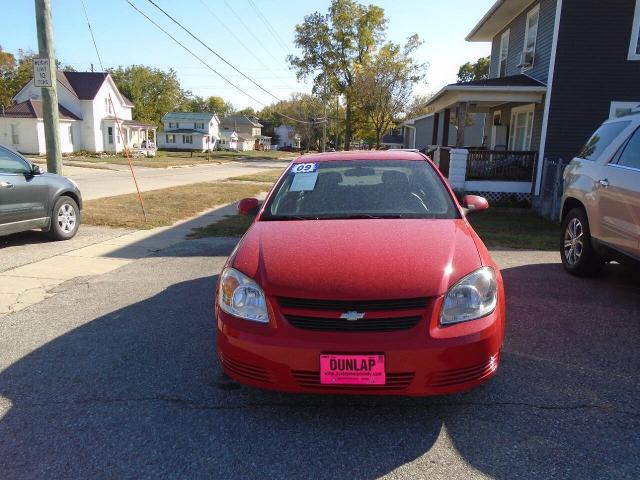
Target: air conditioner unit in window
[{"x": 526, "y": 59}]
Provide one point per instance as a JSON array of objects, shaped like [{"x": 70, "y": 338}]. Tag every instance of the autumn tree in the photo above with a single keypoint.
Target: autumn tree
[
  {"x": 474, "y": 71},
  {"x": 382, "y": 87},
  {"x": 334, "y": 45},
  {"x": 154, "y": 92},
  {"x": 418, "y": 106}
]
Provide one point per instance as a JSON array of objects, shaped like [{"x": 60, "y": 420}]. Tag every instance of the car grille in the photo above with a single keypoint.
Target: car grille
[
  {"x": 342, "y": 325},
  {"x": 245, "y": 370},
  {"x": 394, "y": 381},
  {"x": 357, "y": 305}
]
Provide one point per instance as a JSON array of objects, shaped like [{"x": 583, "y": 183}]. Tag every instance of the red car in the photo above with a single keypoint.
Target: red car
[{"x": 361, "y": 274}]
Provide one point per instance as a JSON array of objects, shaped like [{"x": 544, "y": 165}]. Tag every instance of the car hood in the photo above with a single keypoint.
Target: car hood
[{"x": 357, "y": 259}]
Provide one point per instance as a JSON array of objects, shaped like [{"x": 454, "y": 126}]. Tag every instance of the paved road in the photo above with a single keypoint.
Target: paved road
[
  {"x": 116, "y": 377},
  {"x": 97, "y": 183}
]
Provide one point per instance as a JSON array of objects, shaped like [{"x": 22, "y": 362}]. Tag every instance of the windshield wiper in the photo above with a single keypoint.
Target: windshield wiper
[
  {"x": 363, "y": 215},
  {"x": 289, "y": 217}
]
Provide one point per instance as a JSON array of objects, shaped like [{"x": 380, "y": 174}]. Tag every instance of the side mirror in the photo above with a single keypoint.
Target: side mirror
[
  {"x": 36, "y": 170},
  {"x": 247, "y": 206},
  {"x": 474, "y": 203}
]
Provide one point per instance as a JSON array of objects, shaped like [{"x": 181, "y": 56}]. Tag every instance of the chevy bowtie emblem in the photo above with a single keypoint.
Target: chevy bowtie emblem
[{"x": 352, "y": 316}]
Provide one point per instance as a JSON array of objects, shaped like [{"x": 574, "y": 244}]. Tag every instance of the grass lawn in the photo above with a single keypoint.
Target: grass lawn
[
  {"x": 165, "y": 206},
  {"x": 267, "y": 176},
  {"x": 173, "y": 159},
  {"x": 510, "y": 228},
  {"x": 498, "y": 228}
]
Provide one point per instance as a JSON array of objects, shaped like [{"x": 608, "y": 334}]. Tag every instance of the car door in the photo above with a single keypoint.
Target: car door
[
  {"x": 618, "y": 192},
  {"x": 23, "y": 196}
]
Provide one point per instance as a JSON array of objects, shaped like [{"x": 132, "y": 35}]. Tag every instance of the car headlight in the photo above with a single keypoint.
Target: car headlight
[
  {"x": 241, "y": 297},
  {"x": 474, "y": 296}
]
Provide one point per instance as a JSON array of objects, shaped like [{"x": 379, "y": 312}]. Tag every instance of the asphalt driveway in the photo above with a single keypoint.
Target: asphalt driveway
[{"x": 116, "y": 377}]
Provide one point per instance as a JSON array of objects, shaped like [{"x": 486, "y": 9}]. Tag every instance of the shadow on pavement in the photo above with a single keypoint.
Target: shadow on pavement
[{"x": 135, "y": 393}]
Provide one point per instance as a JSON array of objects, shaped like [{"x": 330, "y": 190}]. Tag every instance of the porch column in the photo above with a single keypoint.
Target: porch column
[
  {"x": 445, "y": 127},
  {"x": 461, "y": 120},
  {"x": 436, "y": 121}
]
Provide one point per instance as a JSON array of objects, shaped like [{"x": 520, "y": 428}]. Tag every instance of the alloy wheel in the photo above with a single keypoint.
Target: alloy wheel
[
  {"x": 573, "y": 241},
  {"x": 66, "y": 218}
]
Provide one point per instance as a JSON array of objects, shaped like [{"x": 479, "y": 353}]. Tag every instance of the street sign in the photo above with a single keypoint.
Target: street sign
[{"x": 41, "y": 72}]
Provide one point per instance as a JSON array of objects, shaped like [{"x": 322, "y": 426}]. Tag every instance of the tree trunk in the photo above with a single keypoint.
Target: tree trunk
[{"x": 347, "y": 125}]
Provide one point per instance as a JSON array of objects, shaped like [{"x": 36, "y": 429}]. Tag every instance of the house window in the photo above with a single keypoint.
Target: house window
[
  {"x": 110, "y": 135},
  {"x": 171, "y": 139},
  {"x": 107, "y": 106},
  {"x": 187, "y": 139},
  {"x": 170, "y": 125},
  {"x": 504, "y": 52},
  {"x": 530, "y": 38},
  {"x": 634, "y": 46},
  {"x": 200, "y": 125},
  {"x": 70, "y": 134},
  {"x": 521, "y": 128},
  {"x": 15, "y": 138},
  {"x": 620, "y": 109}
]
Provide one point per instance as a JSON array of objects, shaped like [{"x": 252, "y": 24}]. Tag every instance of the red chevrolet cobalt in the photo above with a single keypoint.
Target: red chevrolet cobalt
[{"x": 361, "y": 274}]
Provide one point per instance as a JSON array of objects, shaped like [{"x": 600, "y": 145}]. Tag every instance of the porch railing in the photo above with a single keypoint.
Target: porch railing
[{"x": 501, "y": 165}]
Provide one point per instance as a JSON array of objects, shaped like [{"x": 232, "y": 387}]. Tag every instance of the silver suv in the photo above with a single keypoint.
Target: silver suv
[
  {"x": 601, "y": 203},
  {"x": 30, "y": 198}
]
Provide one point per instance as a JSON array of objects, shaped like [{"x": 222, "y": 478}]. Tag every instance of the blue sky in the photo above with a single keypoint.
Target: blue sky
[{"x": 124, "y": 37}]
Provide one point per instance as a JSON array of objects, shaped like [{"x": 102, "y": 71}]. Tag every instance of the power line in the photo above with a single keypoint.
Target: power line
[
  {"x": 210, "y": 67},
  {"x": 211, "y": 49},
  {"x": 86, "y": 16},
  {"x": 273, "y": 31},
  {"x": 257, "y": 40},
  {"x": 241, "y": 43}
]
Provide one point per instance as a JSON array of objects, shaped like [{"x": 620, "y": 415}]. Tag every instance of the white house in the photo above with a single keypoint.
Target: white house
[
  {"x": 190, "y": 131},
  {"x": 88, "y": 120},
  {"x": 287, "y": 137},
  {"x": 249, "y": 131},
  {"x": 228, "y": 140}
]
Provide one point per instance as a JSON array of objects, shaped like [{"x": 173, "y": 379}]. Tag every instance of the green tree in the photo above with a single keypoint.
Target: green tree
[
  {"x": 154, "y": 92},
  {"x": 218, "y": 106},
  {"x": 249, "y": 111},
  {"x": 418, "y": 106},
  {"x": 383, "y": 86},
  {"x": 334, "y": 45},
  {"x": 7, "y": 67},
  {"x": 300, "y": 106},
  {"x": 474, "y": 71}
]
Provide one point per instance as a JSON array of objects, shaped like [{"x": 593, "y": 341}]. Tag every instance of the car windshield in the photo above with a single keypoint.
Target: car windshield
[{"x": 360, "y": 189}]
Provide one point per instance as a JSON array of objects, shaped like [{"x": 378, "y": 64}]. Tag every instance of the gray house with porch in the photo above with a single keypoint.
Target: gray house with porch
[{"x": 558, "y": 69}]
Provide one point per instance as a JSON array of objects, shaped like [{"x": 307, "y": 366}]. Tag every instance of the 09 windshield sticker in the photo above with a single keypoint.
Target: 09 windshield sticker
[
  {"x": 304, "y": 181},
  {"x": 304, "y": 168}
]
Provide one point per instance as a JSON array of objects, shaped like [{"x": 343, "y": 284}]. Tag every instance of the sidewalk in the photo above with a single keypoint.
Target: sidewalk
[{"x": 31, "y": 283}]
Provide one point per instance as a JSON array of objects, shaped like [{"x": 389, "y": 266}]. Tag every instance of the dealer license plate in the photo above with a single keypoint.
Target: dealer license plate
[{"x": 352, "y": 370}]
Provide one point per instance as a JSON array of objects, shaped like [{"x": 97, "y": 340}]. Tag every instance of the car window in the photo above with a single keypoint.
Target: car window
[
  {"x": 630, "y": 155},
  {"x": 11, "y": 163},
  {"x": 601, "y": 140},
  {"x": 360, "y": 189}
]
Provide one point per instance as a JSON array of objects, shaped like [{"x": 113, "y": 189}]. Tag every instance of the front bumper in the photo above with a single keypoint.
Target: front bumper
[{"x": 423, "y": 360}]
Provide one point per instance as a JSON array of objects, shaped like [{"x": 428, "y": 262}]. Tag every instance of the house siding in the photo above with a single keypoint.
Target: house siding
[
  {"x": 591, "y": 71},
  {"x": 517, "y": 27}
]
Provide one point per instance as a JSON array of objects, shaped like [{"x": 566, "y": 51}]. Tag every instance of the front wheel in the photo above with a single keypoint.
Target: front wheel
[
  {"x": 577, "y": 252},
  {"x": 65, "y": 219}
]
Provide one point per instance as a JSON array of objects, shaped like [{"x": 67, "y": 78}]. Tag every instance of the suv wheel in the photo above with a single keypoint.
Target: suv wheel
[
  {"x": 577, "y": 252},
  {"x": 65, "y": 219}
]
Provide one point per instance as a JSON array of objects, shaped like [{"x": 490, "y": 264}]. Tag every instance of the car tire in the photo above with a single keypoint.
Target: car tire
[
  {"x": 65, "y": 219},
  {"x": 576, "y": 248}
]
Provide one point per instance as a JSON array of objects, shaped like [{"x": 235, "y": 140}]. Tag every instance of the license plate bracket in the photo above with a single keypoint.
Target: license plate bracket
[{"x": 356, "y": 369}]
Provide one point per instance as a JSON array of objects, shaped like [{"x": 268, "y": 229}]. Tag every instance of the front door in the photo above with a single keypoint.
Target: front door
[
  {"x": 618, "y": 192},
  {"x": 23, "y": 197}
]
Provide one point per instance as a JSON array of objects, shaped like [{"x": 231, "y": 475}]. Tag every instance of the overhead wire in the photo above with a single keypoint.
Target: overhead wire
[
  {"x": 272, "y": 31},
  {"x": 201, "y": 60}
]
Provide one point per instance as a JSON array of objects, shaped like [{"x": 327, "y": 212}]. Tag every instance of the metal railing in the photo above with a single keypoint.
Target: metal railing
[{"x": 501, "y": 165}]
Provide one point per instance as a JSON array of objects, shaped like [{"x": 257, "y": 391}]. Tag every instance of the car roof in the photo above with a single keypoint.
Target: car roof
[{"x": 360, "y": 155}]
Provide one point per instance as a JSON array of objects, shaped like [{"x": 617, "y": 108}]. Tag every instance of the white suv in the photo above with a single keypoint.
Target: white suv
[{"x": 601, "y": 203}]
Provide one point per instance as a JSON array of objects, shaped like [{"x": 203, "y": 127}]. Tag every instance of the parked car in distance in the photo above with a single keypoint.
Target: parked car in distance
[
  {"x": 361, "y": 274},
  {"x": 31, "y": 199},
  {"x": 600, "y": 212}
]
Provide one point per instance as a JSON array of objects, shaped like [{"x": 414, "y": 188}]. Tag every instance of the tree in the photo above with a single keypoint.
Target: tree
[
  {"x": 249, "y": 112},
  {"x": 7, "y": 67},
  {"x": 334, "y": 45},
  {"x": 474, "y": 71},
  {"x": 382, "y": 87},
  {"x": 218, "y": 106},
  {"x": 301, "y": 106},
  {"x": 154, "y": 92},
  {"x": 418, "y": 106}
]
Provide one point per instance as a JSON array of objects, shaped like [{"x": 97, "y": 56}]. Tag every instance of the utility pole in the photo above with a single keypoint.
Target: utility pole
[
  {"x": 49, "y": 94},
  {"x": 324, "y": 124},
  {"x": 337, "y": 119}
]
